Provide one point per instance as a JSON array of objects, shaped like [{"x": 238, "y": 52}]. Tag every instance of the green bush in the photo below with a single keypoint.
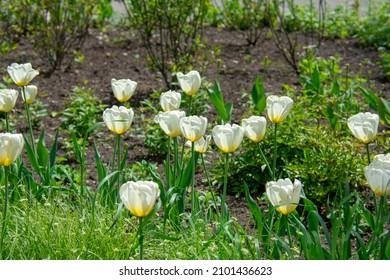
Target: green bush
[{"x": 170, "y": 30}]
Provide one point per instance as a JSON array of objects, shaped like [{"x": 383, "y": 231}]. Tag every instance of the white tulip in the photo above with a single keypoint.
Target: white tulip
[
  {"x": 284, "y": 194},
  {"x": 193, "y": 127},
  {"x": 189, "y": 83},
  {"x": 200, "y": 145},
  {"x": 228, "y": 137},
  {"x": 139, "y": 197},
  {"x": 11, "y": 146},
  {"x": 118, "y": 119},
  {"x": 364, "y": 126},
  {"x": 378, "y": 174},
  {"x": 170, "y": 100},
  {"x": 255, "y": 128},
  {"x": 22, "y": 74},
  {"x": 170, "y": 122},
  {"x": 8, "y": 99},
  {"x": 278, "y": 108},
  {"x": 123, "y": 89},
  {"x": 30, "y": 92}
]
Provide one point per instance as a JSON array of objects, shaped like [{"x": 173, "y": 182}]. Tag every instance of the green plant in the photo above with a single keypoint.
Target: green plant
[
  {"x": 170, "y": 30},
  {"x": 374, "y": 29},
  {"x": 247, "y": 16},
  {"x": 384, "y": 63},
  {"x": 82, "y": 112}
]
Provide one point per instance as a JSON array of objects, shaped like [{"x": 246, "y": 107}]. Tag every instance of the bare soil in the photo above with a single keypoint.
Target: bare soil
[{"x": 105, "y": 58}]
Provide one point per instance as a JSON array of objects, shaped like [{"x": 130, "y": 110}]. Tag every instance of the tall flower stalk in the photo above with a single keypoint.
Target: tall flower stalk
[
  {"x": 277, "y": 110},
  {"x": 118, "y": 120},
  {"x": 193, "y": 128},
  {"x": 22, "y": 74},
  {"x": 227, "y": 138},
  {"x": 140, "y": 198},
  {"x": 27, "y": 106}
]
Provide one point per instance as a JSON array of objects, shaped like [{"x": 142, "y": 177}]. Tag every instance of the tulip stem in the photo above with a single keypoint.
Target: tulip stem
[
  {"x": 119, "y": 165},
  {"x": 168, "y": 164},
  {"x": 176, "y": 155},
  {"x": 141, "y": 239},
  {"x": 224, "y": 206},
  {"x": 209, "y": 183},
  {"x": 193, "y": 178},
  {"x": 368, "y": 154},
  {"x": 289, "y": 233},
  {"x": 6, "y": 122},
  {"x": 266, "y": 161},
  {"x": 4, "y": 224},
  {"x": 190, "y": 105},
  {"x": 28, "y": 119},
  {"x": 275, "y": 152}
]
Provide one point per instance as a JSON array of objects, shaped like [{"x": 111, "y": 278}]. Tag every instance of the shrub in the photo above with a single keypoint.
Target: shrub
[{"x": 170, "y": 30}]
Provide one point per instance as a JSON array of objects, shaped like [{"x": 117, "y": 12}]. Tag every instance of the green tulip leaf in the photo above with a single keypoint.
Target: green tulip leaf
[{"x": 258, "y": 95}]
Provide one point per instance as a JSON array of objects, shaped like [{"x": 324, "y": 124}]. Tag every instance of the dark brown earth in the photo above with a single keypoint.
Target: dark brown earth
[{"x": 105, "y": 59}]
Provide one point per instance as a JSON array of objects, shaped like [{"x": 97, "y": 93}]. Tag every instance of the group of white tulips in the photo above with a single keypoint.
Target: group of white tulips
[
  {"x": 11, "y": 145},
  {"x": 140, "y": 197}
]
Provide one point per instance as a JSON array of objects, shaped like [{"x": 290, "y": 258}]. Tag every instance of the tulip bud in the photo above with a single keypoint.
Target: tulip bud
[
  {"x": 118, "y": 119},
  {"x": 200, "y": 145},
  {"x": 228, "y": 138},
  {"x": 170, "y": 100},
  {"x": 189, "y": 83},
  {"x": 170, "y": 122},
  {"x": 254, "y": 128},
  {"x": 22, "y": 74},
  {"x": 123, "y": 89},
  {"x": 11, "y": 146},
  {"x": 284, "y": 194},
  {"x": 364, "y": 126},
  {"x": 8, "y": 99},
  {"x": 278, "y": 108},
  {"x": 193, "y": 127},
  {"x": 30, "y": 92},
  {"x": 139, "y": 197},
  {"x": 378, "y": 174}
]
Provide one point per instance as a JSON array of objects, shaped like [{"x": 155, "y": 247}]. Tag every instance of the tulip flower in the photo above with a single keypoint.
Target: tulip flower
[
  {"x": 118, "y": 119},
  {"x": 193, "y": 127},
  {"x": 123, "y": 89},
  {"x": 227, "y": 137},
  {"x": 139, "y": 197},
  {"x": 254, "y": 128},
  {"x": 31, "y": 93},
  {"x": 8, "y": 99},
  {"x": 170, "y": 122},
  {"x": 189, "y": 83},
  {"x": 278, "y": 108},
  {"x": 22, "y": 74},
  {"x": 170, "y": 100},
  {"x": 201, "y": 145},
  {"x": 378, "y": 174},
  {"x": 11, "y": 146},
  {"x": 364, "y": 126},
  {"x": 284, "y": 194}
]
